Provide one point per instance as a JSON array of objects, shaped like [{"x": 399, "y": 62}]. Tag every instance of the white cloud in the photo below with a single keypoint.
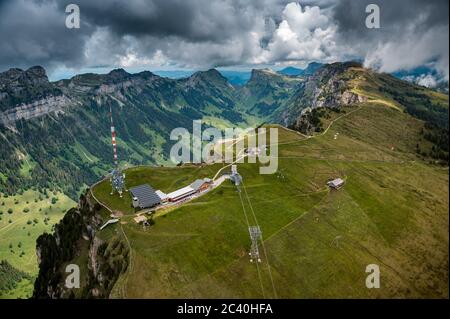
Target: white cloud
[
  {"x": 133, "y": 59},
  {"x": 303, "y": 35},
  {"x": 427, "y": 80},
  {"x": 412, "y": 50}
]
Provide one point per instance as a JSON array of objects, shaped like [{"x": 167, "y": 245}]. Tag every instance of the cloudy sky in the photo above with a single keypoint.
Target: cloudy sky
[{"x": 234, "y": 34}]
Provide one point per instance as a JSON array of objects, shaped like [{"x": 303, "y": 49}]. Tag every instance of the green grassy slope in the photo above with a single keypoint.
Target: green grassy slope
[
  {"x": 23, "y": 290},
  {"x": 32, "y": 214},
  {"x": 13, "y": 282},
  {"x": 21, "y": 227},
  {"x": 266, "y": 93},
  {"x": 418, "y": 101},
  {"x": 392, "y": 211}
]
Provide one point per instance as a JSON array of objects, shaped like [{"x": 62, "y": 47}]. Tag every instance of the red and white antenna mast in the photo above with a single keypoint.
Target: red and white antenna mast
[
  {"x": 117, "y": 178},
  {"x": 113, "y": 139}
]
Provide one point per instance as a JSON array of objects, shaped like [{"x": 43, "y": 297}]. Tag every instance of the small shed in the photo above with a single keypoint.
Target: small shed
[{"x": 336, "y": 183}]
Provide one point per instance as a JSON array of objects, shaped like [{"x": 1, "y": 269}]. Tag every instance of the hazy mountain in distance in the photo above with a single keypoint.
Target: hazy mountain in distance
[
  {"x": 175, "y": 74},
  {"x": 290, "y": 70},
  {"x": 309, "y": 70},
  {"x": 424, "y": 76},
  {"x": 237, "y": 78}
]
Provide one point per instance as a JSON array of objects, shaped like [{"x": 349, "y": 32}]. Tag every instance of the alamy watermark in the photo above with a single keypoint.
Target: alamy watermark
[
  {"x": 373, "y": 17},
  {"x": 232, "y": 145},
  {"x": 73, "y": 277},
  {"x": 373, "y": 279},
  {"x": 73, "y": 17}
]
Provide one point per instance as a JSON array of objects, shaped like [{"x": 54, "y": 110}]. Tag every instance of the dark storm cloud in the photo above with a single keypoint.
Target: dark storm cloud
[
  {"x": 33, "y": 33},
  {"x": 395, "y": 15},
  {"x": 412, "y": 32},
  {"x": 212, "y": 33},
  {"x": 194, "y": 20}
]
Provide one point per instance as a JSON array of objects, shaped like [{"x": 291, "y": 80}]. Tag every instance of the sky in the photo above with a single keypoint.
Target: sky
[{"x": 229, "y": 34}]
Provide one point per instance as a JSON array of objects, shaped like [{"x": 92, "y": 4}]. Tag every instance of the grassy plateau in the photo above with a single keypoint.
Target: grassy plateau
[{"x": 392, "y": 211}]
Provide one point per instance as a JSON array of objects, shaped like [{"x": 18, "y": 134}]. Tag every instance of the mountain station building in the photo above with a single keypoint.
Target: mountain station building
[{"x": 144, "y": 196}]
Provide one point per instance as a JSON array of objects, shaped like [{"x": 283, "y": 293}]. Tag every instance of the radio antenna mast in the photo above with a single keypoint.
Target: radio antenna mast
[{"x": 117, "y": 177}]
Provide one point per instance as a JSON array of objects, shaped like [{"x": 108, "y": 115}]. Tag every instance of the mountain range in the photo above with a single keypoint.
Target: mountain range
[
  {"x": 379, "y": 129},
  {"x": 57, "y": 133}
]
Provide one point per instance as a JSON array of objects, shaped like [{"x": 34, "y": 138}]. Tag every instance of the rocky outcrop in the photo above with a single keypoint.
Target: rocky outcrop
[
  {"x": 94, "y": 260},
  {"x": 74, "y": 237},
  {"x": 335, "y": 99},
  {"x": 15, "y": 80},
  {"x": 328, "y": 87},
  {"x": 28, "y": 94},
  {"x": 348, "y": 98},
  {"x": 41, "y": 107}
]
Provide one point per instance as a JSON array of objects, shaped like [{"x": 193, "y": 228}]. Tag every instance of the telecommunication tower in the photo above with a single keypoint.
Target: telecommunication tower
[
  {"x": 117, "y": 177},
  {"x": 235, "y": 177},
  {"x": 255, "y": 235}
]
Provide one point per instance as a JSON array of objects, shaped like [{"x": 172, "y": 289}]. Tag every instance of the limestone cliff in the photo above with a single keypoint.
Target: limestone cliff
[
  {"x": 76, "y": 241},
  {"x": 328, "y": 87}
]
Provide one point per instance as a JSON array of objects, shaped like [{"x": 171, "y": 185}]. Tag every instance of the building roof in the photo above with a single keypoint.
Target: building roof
[
  {"x": 197, "y": 184},
  {"x": 145, "y": 195},
  {"x": 336, "y": 182},
  {"x": 161, "y": 194},
  {"x": 181, "y": 192}
]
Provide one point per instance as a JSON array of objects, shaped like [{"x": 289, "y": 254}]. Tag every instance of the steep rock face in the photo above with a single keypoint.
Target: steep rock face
[
  {"x": 94, "y": 261},
  {"x": 41, "y": 107},
  {"x": 279, "y": 98},
  {"x": 348, "y": 98},
  {"x": 18, "y": 86},
  {"x": 17, "y": 79},
  {"x": 28, "y": 94},
  {"x": 76, "y": 237},
  {"x": 328, "y": 87}
]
